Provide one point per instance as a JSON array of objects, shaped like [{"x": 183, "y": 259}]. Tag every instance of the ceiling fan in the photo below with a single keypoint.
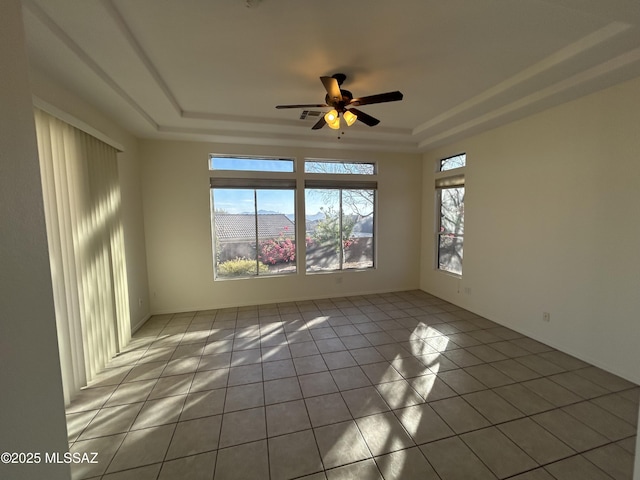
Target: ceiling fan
[{"x": 343, "y": 103}]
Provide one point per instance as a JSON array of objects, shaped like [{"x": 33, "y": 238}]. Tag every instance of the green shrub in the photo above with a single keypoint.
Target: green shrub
[{"x": 239, "y": 267}]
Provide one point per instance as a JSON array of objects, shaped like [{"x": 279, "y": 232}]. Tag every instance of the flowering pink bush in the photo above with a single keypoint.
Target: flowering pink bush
[
  {"x": 348, "y": 242},
  {"x": 281, "y": 250}
]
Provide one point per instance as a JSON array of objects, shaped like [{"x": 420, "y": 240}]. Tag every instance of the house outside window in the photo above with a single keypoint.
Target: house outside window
[{"x": 450, "y": 193}]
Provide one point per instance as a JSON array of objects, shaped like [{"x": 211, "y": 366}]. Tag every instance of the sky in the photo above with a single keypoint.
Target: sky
[
  {"x": 251, "y": 164},
  {"x": 280, "y": 201}
]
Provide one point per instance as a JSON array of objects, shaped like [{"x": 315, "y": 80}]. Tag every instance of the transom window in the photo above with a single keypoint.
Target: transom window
[
  {"x": 339, "y": 168},
  {"x": 251, "y": 164},
  {"x": 451, "y": 163}
]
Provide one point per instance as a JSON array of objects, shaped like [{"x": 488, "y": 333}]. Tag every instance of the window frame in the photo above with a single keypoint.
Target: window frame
[
  {"x": 299, "y": 181},
  {"x": 256, "y": 158},
  {"x": 443, "y": 162},
  {"x": 255, "y": 180},
  {"x": 344, "y": 174},
  {"x": 343, "y": 181},
  {"x": 444, "y": 180},
  {"x": 341, "y": 186}
]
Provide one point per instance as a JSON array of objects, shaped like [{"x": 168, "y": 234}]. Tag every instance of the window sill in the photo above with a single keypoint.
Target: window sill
[{"x": 449, "y": 274}]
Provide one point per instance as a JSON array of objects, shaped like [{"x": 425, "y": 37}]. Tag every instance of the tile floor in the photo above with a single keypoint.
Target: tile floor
[{"x": 394, "y": 386}]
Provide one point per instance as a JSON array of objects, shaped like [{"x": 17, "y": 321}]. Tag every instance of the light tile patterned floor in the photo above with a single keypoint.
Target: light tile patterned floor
[{"x": 394, "y": 386}]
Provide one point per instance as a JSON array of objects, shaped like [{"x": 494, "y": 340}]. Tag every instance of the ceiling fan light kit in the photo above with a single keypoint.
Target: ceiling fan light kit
[
  {"x": 349, "y": 118},
  {"x": 339, "y": 100},
  {"x": 332, "y": 119}
]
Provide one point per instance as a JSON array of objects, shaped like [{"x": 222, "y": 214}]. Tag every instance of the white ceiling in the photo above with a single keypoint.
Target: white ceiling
[{"x": 215, "y": 69}]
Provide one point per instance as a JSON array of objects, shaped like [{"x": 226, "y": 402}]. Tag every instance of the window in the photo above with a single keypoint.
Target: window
[
  {"x": 251, "y": 164},
  {"x": 340, "y": 168},
  {"x": 450, "y": 193},
  {"x": 340, "y": 215},
  {"x": 451, "y": 163},
  {"x": 253, "y": 216}
]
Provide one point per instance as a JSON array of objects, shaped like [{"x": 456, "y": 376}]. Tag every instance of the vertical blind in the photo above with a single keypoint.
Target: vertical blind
[{"x": 86, "y": 248}]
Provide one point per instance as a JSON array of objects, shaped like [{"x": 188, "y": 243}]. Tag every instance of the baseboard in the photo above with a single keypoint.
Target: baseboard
[
  {"x": 284, "y": 300},
  {"x": 632, "y": 377},
  {"x": 139, "y": 325}
]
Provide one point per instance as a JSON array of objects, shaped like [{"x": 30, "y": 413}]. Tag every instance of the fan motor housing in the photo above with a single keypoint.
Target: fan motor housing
[{"x": 347, "y": 96}]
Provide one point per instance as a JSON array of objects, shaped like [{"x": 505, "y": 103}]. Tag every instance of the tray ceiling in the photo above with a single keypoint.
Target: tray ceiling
[{"x": 215, "y": 69}]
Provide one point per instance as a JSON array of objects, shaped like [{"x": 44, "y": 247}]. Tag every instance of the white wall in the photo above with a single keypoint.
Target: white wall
[
  {"x": 178, "y": 231},
  {"x": 129, "y": 173},
  {"x": 31, "y": 403},
  {"x": 551, "y": 219}
]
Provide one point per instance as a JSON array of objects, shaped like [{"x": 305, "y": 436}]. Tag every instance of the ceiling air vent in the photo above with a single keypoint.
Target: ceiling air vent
[{"x": 310, "y": 115}]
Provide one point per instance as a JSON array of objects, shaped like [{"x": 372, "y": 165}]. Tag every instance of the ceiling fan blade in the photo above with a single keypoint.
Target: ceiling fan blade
[
  {"x": 319, "y": 124},
  {"x": 364, "y": 118},
  {"x": 380, "y": 98},
  {"x": 332, "y": 88},
  {"x": 310, "y": 105}
]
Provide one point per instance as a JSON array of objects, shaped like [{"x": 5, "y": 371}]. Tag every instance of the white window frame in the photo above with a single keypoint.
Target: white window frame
[
  {"x": 447, "y": 179},
  {"x": 251, "y": 180},
  {"x": 344, "y": 181},
  {"x": 298, "y": 181}
]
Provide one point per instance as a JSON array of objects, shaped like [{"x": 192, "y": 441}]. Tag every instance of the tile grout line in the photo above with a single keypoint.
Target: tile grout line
[{"x": 407, "y": 379}]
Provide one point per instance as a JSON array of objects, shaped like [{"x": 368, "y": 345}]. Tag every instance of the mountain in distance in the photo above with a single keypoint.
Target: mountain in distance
[
  {"x": 262, "y": 212},
  {"x": 308, "y": 218},
  {"x": 317, "y": 216}
]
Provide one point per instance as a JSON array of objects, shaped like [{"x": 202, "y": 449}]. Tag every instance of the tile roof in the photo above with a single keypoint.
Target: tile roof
[{"x": 242, "y": 226}]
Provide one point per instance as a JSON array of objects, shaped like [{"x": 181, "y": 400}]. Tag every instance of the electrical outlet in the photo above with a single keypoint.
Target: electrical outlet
[
  {"x": 467, "y": 290},
  {"x": 139, "y": 302},
  {"x": 546, "y": 317}
]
